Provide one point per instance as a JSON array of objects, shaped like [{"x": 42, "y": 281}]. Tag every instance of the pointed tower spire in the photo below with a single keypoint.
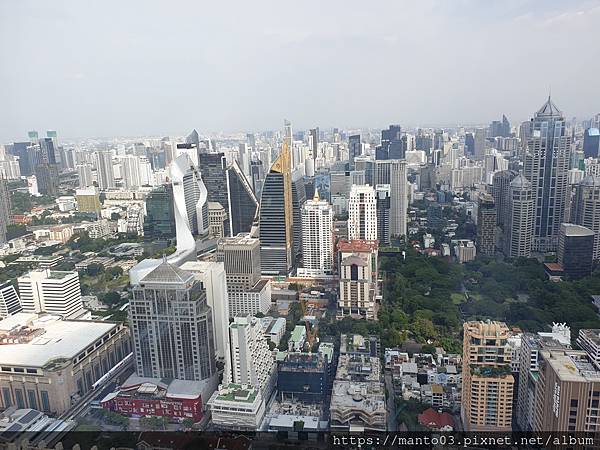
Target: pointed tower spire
[{"x": 316, "y": 197}]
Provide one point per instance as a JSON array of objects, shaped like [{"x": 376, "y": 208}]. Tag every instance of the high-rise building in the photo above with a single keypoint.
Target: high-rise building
[
  {"x": 354, "y": 147},
  {"x": 521, "y": 216},
  {"x": 298, "y": 199},
  {"x": 21, "y": 150},
  {"x": 104, "y": 170},
  {"x": 487, "y": 382},
  {"x": 591, "y": 143},
  {"x": 391, "y": 144},
  {"x": 5, "y": 210},
  {"x": 575, "y": 250},
  {"x": 486, "y": 225},
  {"x": 88, "y": 200},
  {"x": 479, "y": 144},
  {"x": 586, "y": 208},
  {"x": 9, "y": 300},
  {"x": 172, "y": 326},
  {"x": 52, "y": 292},
  {"x": 546, "y": 166},
  {"x": 569, "y": 386},
  {"x": 130, "y": 171},
  {"x": 313, "y": 142},
  {"x": 393, "y": 172},
  {"x": 159, "y": 224},
  {"x": 469, "y": 144},
  {"x": 382, "y": 191},
  {"x": 213, "y": 167},
  {"x": 193, "y": 138},
  {"x": 276, "y": 221},
  {"x": 501, "y": 192},
  {"x": 317, "y": 237},
  {"x": 84, "y": 173},
  {"x": 241, "y": 200},
  {"x": 362, "y": 213},
  {"x": 190, "y": 194},
  {"x": 251, "y": 362}
]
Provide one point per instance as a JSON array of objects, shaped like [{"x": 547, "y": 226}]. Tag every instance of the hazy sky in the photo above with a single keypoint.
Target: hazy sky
[{"x": 131, "y": 67}]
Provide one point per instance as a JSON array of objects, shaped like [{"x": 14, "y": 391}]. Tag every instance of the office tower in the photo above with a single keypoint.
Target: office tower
[
  {"x": 45, "y": 167},
  {"x": 366, "y": 165},
  {"x": 591, "y": 143},
  {"x": 213, "y": 167},
  {"x": 190, "y": 194},
  {"x": 505, "y": 130},
  {"x": 501, "y": 192},
  {"x": 313, "y": 142},
  {"x": 217, "y": 217},
  {"x": 214, "y": 281},
  {"x": 469, "y": 144},
  {"x": 569, "y": 385},
  {"x": 251, "y": 360},
  {"x": 51, "y": 291},
  {"x": 382, "y": 191},
  {"x": 546, "y": 166},
  {"x": 521, "y": 216},
  {"x": 104, "y": 170},
  {"x": 159, "y": 224},
  {"x": 317, "y": 237},
  {"x": 5, "y": 210},
  {"x": 298, "y": 199},
  {"x": 84, "y": 174},
  {"x": 486, "y": 225},
  {"x": 9, "y": 300},
  {"x": 354, "y": 147},
  {"x": 20, "y": 150},
  {"x": 479, "y": 144},
  {"x": 586, "y": 208},
  {"x": 487, "y": 382},
  {"x": 241, "y": 201},
  {"x": 362, "y": 213},
  {"x": 398, "y": 198},
  {"x": 248, "y": 294},
  {"x": 130, "y": 171},
  {"x": 391, "y": 143},
  {"x": 358, "y": 279},
  {"x": 193, "y": 138},
  {"x": 276, "y": 219},
  {"x": 251, "y": 140},
  {"x": 575, "y": 250},
  {"x": 172, "y": 327}
]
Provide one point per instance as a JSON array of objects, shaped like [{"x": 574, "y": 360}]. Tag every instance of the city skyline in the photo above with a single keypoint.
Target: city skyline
[{"x": 157, "y": 70}]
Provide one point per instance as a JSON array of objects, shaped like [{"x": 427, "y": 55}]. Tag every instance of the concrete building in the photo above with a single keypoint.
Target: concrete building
[
  {"x": 52, "y": 292},
  {"x": 104, "y": 170},
  {"x": 217, "y": 217},
  {"x": 362, "y": 213},
  {"x": 237, "y": 407},
  {"x": 486, "y": 225},
  {"x": 464, "y": 250},
  {"x": 586, "y": 208},
  {"x": 303, "y": 376},
  {"x": 9, "y": 300},
  {"x": 576, "y": 250},
  {"x": 5, "y": 210},
  {"x": 88, "y": 200},
  {"x": 84, "y": 174},
  {"x": 317, "y": 238},
  {"x": 520, "y": 224},
  {"x": 382, "y": 191},
  {"x": 487, "y": 382},
  {"x": 501, "y": 193},
  {"x": 49, "y": 364}
]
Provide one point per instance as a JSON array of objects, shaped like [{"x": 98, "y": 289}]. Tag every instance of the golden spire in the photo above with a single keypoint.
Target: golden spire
[{"x": 316, "y": 197}]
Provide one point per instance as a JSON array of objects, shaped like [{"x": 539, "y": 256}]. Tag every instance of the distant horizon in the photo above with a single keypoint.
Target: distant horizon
[{"x": 142, "y": 68}]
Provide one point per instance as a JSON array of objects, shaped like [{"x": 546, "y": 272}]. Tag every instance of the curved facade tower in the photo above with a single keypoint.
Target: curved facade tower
[
  {"x": 241, "y": 201},
  {"x": 276, "y": 218}
]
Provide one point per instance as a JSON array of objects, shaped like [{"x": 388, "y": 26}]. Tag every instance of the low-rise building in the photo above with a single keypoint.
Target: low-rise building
[
  {"x": 274, "y": 328},
  {"x": 237, "y": 407},
  {"x": 305, "y": 376}
]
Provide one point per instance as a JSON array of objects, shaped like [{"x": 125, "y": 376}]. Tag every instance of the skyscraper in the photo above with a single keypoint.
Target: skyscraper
[
  {"x": 5, "y": 210},
  {"x": 241, "y": 200},
  {"x": 213, "y": 167},
  {"x": 501, "y": 192},
  {"x": 382, "y": 191},
  {"x": 546, "y": 166},
  {"x": 130, "y": 171},
  {"x": 84, "y": 173},
  {"x": 486, "y": 225},
  {"x": 586, "y": 208},
  {"x": 520, "y": 225},
  {"x": 313, "y": 142},
  {"x": 298, "y": 199},
  {"x": 487, "y": 382},
  {"x": 591, "y": 143},
  {"x": 391, "y": 143},
  {"x": 317, "y": 237},
  {"x": 362, "y": 213},
  {"x": 159, "y": 224},
  {"x": 354, "y": 147},
  {"x": 172, "y": 326},
  {"x": 575, "y": 250},
  {"x": 104, "y": 170},
  {"x": 190, "y": 194},
  {"x": 276, "y": 220},
  {"x": 479, "y": 144},
  {"x": 398, "y": 197}
]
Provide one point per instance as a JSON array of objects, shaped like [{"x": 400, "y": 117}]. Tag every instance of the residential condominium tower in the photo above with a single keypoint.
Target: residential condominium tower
[
  {"x": 362, "y": 213},
  {"x": 317, "y": 237}
]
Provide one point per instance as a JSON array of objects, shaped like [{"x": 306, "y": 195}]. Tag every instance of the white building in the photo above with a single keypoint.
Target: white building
[
  {"x": 362, "y": 213},
  {"x": 9, "y": 300},
  {"x": 130, "y": 171},
  {"x": 104, "y": 170},
  {"x": 50, "y": 291},
  {"x": 84, "y": 173},
  {"x": 317, "y": 237},
  {"x": 237, "y": 407},
  {"x": 251, "y": 362}
]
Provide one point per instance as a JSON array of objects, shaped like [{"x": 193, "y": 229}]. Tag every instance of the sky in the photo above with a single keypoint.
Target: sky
[{"x": 146, "y": 67}]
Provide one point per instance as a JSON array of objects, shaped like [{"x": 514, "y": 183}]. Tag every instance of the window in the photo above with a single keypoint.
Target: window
[
  {"x": 6, "y": 397},
  {"x": 32, "y": 399},
  {"x": 20, "y": 399},
  {"x": 45, "y": 401}
]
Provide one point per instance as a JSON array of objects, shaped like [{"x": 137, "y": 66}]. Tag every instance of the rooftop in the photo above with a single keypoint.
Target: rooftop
[
  {"x": 357, "y": 245},
  {"x": 237, "y": 393},
  {"x": 571, "y": 365},
  {"x": 167, "y": 273},
  {"x": 576, "y": 230}
]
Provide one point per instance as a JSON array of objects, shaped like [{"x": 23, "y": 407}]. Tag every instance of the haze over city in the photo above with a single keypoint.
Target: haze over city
[{"x": 149, "y": 68}]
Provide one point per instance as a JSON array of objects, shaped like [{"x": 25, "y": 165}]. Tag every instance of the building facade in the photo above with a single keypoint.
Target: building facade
[
  {"x": 486, "y": 225},
  {"x": 520, "y": 225},
  {"x": 52, "y": 292},
  {"x": 362, "y": 213},
  {"x": 317, "y": 237},
  {"x": 586, "y": 208}
]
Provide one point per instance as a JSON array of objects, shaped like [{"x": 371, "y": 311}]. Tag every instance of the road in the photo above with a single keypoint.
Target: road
[{"x": 391, "y": 403}]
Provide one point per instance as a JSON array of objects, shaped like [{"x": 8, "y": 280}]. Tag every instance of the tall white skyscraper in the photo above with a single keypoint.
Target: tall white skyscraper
[
  {"x": 251, "y": 360},
  {"x": 398, "y": 197},
  {"x": 519, "y": 229},
  {"x": 51, "y": 291},
  {"x": 190, "y": 194},
  {"x": 546, "y": 166},
  {"x": 362, "y": 213},
  {"x": 130, "y": 171},
  {"x": 84, "y": 172},
  {"x": 317, "y": 237},
  {"x": 104, "y": 169}
]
